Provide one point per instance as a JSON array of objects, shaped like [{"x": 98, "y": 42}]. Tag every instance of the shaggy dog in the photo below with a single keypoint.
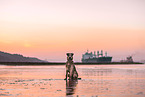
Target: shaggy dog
[{"x": 71, "y": 72}]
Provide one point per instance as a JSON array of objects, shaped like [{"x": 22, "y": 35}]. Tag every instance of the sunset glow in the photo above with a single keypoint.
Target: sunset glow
[{"x": 47, "y": 29}]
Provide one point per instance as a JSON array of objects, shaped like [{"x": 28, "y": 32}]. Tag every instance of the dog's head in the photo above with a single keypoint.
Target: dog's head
[{"x": 69, "y": 56}]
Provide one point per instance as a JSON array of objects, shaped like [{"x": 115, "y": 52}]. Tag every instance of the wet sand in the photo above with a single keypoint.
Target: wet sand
[{"x": 97, "y": 81}]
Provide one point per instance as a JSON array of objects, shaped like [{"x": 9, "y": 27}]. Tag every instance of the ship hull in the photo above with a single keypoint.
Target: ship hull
[{"x": 98, "y": 60}]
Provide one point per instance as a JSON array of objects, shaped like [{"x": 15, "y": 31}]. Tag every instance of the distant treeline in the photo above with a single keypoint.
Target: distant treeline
[{"x": 7, "y": 57}]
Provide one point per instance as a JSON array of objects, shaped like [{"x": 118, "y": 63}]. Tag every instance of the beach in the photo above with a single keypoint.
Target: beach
[{"x": 96, "y": 81}]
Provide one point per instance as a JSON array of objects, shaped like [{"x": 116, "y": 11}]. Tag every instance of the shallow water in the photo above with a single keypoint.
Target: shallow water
[{"x": 96, "y": 81}]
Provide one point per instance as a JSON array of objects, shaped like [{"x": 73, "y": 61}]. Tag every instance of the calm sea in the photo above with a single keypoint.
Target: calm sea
[{"x": 96, "y": 81}]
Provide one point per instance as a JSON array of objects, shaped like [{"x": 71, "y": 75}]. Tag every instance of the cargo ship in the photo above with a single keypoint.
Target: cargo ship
[{"x": 93, "y": 58}]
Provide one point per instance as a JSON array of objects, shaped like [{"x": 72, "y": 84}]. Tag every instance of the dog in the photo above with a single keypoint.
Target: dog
[{"x": 71, "y": 71}]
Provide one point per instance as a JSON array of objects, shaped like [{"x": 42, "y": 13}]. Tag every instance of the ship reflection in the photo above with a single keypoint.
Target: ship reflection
[{"x": 71, "y": 87}]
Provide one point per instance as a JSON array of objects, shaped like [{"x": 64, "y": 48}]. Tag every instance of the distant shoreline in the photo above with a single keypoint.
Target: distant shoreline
[{"x": 62, "y": 63}]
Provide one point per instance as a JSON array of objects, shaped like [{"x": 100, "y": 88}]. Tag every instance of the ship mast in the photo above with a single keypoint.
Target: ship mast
[
  {"x": 94, "y": 54},
  {"x": 87, "y": 51}
]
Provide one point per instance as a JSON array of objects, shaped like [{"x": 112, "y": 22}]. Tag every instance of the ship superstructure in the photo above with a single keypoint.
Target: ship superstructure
[{"x": 93, "y": 58}]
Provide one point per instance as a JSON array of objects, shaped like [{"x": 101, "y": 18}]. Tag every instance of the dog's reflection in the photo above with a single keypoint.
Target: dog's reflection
[{"x": 71, "y": 86}]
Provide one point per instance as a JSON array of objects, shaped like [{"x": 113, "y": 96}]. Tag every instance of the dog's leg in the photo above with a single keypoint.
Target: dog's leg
[
  {"x": 75, "y": 73},
  {"x": 71, "y": 72},
  {"x": 67, "y": 75}
]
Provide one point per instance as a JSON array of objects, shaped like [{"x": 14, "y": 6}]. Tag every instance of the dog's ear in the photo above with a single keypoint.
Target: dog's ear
[
  {"x": 67, "y": 54},
  {"x": 72, "y": 54}
]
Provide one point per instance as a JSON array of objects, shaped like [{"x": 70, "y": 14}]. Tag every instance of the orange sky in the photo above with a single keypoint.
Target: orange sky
[{"x": 47, "y": 29}]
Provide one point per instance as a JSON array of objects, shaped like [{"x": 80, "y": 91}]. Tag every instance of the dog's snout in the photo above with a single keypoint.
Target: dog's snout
[{"x": 70, "y": 58}]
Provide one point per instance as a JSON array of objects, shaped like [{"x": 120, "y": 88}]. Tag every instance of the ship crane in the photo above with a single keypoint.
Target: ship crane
[
  {"x": 98, "y": 54},
  {"x": 129, "y": 58}
]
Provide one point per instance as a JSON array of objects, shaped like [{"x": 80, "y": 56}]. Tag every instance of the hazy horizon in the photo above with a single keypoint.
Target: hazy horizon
[{"x": 49, "y": 29}]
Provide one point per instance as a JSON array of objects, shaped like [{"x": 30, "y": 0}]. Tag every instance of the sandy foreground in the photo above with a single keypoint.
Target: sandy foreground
[{"x": 97, "y": 81}]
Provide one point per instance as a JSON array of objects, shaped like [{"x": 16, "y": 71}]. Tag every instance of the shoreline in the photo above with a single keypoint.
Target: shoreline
[{"x": 62, "y": 63}]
